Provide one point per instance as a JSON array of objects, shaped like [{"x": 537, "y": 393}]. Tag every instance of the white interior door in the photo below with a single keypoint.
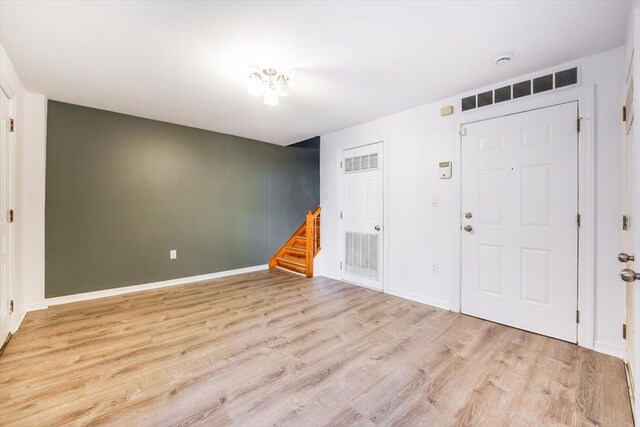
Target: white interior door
[
  {"x": 6, "y": 194},
  {"x": 362, "y": 215},
  {"x": 519, "y": 207},
  {"x": 631, "y": 236},
  {"x": 628, "y": 188}
]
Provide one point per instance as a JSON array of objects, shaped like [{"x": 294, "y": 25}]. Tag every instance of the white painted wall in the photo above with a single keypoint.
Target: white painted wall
[
  {"x": 419, "y": 234},
  {"x": 30, "y": 192},
  {"x": 30, "y": 122}
]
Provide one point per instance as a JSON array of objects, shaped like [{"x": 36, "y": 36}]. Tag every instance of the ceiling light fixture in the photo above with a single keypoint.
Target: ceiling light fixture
[{"x": 270, "y": 84}]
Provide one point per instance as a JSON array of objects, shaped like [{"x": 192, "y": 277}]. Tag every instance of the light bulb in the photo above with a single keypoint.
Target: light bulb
[
  {"x": 256, "y": 85},
  {"x": 270, "y": 96},
  {"x": 282, "y": 87}
]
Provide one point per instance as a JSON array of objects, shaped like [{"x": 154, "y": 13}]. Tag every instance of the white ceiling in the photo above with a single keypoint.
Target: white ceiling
[{"x": 349, "y": 62}]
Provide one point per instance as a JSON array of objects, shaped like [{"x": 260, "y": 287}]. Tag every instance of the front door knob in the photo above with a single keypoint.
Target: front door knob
[
  {"x": 468, "y": 228},
  {"x": 622, "y": 257},
  {"x": 377, "y": 227},
  {"x": 628, "y": 275}
]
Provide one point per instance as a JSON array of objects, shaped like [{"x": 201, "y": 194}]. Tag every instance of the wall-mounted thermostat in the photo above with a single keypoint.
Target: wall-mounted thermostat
[{"x": 445, "y": 170}]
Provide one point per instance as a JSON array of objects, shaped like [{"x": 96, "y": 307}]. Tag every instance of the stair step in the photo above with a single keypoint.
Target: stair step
[
  {"x": 291, "y": 261},
  {"x": 292, "y": 268},
  {"x": 296, "y": 249}
]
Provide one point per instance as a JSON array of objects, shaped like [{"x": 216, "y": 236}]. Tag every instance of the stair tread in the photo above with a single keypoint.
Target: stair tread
[
  {"x": 291, "y": 261},
  {"x": 293, "y": 248}
]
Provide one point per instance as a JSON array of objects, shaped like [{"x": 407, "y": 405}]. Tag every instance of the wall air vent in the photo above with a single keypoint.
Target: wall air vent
[
  {"x": 543, "y": 84},
  {"x": 522, "y": 89},
  {"x": 469, "y": 103},
  {"x": 567, "y": 77},
  {"x": 548, "y": 82},
  {"x": 503, "y": 94},
  {"x": 485, "y": 98}
]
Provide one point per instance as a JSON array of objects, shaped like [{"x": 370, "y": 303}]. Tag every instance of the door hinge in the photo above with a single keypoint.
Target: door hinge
[
  {"x": 624, "y": 113},
  {"x": 340, "y": 265},
  {"x": 10, "y": 306},
  {"x": 10, "y": 216},
  {"x": 578, "y": 124},
  {"x": 12, "y": 126},
  {"x": 625, "y": 223},
  {"x": 624, "y": 331},
  {"x": 340, "y": 214},
  {"x": 577, "y": 316},
  {"x": 578, "y": 220},
  {"x": 462, "y": 131},
  {"x": 340, "y": 164}
]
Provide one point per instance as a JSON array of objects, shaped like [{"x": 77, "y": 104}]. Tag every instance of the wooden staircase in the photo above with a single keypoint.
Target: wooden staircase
[{"x": 298, "y": 252}]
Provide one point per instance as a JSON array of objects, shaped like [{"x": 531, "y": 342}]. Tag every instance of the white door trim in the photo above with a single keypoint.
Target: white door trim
[
  {"x": 385, "y": 207},
  {"x": 15, "y": 318},
  {"x": 585, "y": 96}
]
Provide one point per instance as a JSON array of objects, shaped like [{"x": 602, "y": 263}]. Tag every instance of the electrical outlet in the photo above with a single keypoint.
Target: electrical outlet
[
  {"x": 434, "y": 268},
  {"x": 173, "y": 254}
]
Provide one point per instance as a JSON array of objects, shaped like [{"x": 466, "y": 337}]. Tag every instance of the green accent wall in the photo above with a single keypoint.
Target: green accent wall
[{"x": 122, "y": 191}]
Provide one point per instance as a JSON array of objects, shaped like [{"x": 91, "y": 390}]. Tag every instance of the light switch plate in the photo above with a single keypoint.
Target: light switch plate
[{"x": 173, "y": 254}]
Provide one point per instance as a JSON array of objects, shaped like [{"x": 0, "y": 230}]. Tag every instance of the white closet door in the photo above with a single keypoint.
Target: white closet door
[{"x": 362, "y": 215}]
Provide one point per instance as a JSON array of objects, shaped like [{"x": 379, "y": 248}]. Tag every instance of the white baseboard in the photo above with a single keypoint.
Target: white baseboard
[
  {"x": 445, "y": 305},
  {"x": 148, "y": 286},
  {"x": 22, "y": 312},
  {"x": 37, "y": 306},
  {"x": 610, "y": 349},
  {"x": 17, "y": 320}
]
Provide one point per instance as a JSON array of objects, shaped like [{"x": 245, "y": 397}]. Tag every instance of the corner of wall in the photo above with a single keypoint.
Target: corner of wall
[{"x": 30, "y": 117}]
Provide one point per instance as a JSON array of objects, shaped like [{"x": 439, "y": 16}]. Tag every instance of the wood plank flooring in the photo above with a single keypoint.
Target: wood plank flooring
[{"x": 273, "y": 348}]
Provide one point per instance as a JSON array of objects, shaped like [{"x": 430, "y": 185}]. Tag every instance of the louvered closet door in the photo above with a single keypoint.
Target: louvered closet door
[
  {"x": 520, "y": 198},
  {"x": 362, "y": 216}
]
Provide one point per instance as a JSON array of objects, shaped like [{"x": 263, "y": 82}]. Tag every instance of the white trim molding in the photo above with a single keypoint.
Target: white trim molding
[
  {"x": 610, "y": 349},
  {"x": 419, "y": 298},
  {"x": 148, "y": 286},
  {"x": 585, "y": 96}
]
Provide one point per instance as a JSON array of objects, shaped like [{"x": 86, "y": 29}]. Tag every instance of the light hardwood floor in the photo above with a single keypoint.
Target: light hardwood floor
[{"x": 273, "y": 348}]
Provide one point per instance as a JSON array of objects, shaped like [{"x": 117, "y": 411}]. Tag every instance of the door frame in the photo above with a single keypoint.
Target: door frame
[
  {"x": 384, "y": 276},
  {"x": 14, "y": 320},
  {"x": 584, "y": 95}
]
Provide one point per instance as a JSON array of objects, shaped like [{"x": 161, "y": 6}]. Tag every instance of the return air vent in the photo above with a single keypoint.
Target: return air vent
[
  {"x": 522, "y": 89},
  {"x": 361, "y": 254},
  {"x": 468, "y": 103},
  {"x": 360, "y": 163},
  {"x": 543, "y": 84},
  {"x": 503, "y": 94},
  {"x": 485, "y": 98},
  {"x": 560, "y": 79},
  {"x": 567, "y": 77}
]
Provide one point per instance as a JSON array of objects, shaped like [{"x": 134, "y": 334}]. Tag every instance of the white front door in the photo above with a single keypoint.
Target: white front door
[
  {"x": 519, "y": 213},
  {"x": 6, "y": 193},
  {"x": 361, "y": 213}
]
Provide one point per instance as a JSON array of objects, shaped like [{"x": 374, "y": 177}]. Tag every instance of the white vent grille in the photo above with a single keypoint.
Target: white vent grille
[
  {"x": 361, "y": 163},
  {"x": 362, "y": 254},
  {"x": 540, "y": 84}
]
